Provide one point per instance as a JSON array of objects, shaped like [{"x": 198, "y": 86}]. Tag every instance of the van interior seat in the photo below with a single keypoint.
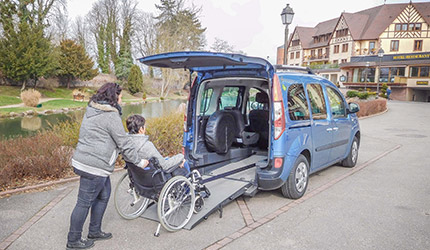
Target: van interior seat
[
  {"x": 242, "y": 136},
  {"x": 259, "y": 119},
  {"x": 221, "y": 131}
]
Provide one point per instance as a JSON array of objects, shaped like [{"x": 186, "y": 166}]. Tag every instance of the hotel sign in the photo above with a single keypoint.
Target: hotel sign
[
  {"x": 422, "y": 82},
  {"x": 412, "y": 56}
]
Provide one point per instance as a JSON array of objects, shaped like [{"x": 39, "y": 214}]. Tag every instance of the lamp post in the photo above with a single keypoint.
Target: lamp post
[
  {"x": 366, "y": 75},
  {"x": 380, "y": 55},
  {"x": 287, "y": 17}
]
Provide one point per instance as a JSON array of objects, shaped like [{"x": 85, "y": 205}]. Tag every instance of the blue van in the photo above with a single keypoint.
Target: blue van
[{"x": 264, "y": 126}]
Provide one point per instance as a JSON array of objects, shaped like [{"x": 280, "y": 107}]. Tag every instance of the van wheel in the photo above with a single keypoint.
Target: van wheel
[
  {"x": 297, "y": 182},
  {"x": 352, "y": 157}
]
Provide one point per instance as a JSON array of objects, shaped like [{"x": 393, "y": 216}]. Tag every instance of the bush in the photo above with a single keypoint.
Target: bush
[
  {"x": 30, "y": 97},
  {"x": 166, "y": 133},
  {"x": 135, "y": 80},
  {"x": 352, "y": 93},
  {"x": 363, "y": 95},
  {"x": 39, "y": 157},
  {"x": 371, "y": 107},
  {"x": 68, "y": 131}
]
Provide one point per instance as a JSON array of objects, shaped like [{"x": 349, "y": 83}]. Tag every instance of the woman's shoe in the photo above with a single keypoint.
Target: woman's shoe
[
  {"x": 81, "y": 244},
  {"x": 100, "y": 236}
]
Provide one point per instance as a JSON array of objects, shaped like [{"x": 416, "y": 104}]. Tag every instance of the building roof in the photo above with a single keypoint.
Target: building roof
[{"x": 367, "y": 24}]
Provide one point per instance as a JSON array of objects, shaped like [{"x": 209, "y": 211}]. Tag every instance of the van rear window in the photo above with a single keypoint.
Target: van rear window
[{"x": 297, "y": 104}]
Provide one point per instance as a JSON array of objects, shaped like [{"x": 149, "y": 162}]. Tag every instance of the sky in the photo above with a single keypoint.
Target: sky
[{"x": 254, "y": 26}]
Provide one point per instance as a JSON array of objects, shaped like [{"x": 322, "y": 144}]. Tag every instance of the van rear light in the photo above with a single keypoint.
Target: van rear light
[
  {"x": 278, "y": 108},
  {"x": 279, "y": 162},
  {"x": 183, "y": 151}
]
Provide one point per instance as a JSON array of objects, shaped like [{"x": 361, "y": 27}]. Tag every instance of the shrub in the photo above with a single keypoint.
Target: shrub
[
  {"x": 371, "y": 107},
  {"x": 68, "y": 131},
  {"x": 166, "y": 133},
  {"x": 30, "y": 97},
  {"x": 39, "y": 157},
  {"x": 352, "y": 93},
  {"x": 135, "y": 80},
  {"x": 363, "y": 95},
  {"x": 144, "y": 95}
]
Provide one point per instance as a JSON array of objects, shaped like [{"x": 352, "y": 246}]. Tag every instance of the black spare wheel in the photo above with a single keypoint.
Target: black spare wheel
[{"x": 220, "y": 132}]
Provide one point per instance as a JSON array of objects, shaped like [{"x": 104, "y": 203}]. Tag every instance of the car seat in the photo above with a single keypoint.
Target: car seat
[{"x": 242, "y": 136}]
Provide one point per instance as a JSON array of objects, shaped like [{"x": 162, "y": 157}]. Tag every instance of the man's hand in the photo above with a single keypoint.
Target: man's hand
[
  {"x": 182, "y": 164},
  {"x": 146, "y": 162}
]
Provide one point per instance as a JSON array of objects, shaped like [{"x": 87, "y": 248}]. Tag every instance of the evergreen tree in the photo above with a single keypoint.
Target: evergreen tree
[
  {"x": 135, "y": 80},
  {"x": 74, "y": 62}
]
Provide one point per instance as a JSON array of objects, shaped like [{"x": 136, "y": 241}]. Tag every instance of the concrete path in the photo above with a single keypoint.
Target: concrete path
[
  {"x": 19, "y": 105},
  {"x": 382, "y": 203}
]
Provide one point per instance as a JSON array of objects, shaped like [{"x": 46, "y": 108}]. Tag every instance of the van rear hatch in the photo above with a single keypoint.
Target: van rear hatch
[{"x": 199, "y": 61}]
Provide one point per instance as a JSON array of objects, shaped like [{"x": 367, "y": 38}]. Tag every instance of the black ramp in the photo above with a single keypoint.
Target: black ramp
[{"x": 223, "y": 190}]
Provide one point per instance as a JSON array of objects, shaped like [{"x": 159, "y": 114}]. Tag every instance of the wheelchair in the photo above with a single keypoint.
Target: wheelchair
[{"x": 177, "y": 197}]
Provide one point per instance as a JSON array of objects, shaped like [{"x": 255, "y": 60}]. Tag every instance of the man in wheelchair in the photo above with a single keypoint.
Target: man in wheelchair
[{"x": 174, "y": 165}]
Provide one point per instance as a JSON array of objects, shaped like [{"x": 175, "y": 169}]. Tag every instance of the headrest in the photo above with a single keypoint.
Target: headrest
[{"x": 261, "y": 98}]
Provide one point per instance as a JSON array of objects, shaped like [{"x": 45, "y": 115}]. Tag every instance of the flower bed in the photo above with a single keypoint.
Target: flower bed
[{"x": 370, "y": 106}]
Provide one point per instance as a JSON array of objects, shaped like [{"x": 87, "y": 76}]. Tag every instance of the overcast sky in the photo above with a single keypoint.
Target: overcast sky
[{"x": 254, "y": 26}]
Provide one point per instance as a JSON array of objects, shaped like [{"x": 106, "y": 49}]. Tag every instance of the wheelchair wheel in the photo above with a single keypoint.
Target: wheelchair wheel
[
  {"x": 128, "y": 203},
  {"x": 176, "y": 203}
]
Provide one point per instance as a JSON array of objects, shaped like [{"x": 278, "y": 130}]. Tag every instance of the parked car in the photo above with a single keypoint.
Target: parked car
[{"x": 241, "y": 107}]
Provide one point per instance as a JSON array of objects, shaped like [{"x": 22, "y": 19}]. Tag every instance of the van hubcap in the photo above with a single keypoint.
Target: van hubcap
[
  {"x": 354, "y": 151},
  {"x": 301, "y": 177}
]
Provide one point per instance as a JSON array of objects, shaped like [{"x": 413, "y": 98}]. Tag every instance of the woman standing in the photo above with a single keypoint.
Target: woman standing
[{"x": 101, "y": 138}]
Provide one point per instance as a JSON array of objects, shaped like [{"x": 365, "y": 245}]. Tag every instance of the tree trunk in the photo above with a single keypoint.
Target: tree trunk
[
  {"x": 23, "y": 85},
  {"x": 68, "y": 82}
]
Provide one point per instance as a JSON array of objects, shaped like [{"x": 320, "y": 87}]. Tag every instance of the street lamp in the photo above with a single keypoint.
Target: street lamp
[
  {"x": 287, "y": 17},
  {"x": 380, "y": 55}
]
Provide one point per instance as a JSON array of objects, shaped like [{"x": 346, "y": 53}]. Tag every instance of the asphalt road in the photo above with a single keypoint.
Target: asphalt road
[{"x": 382, "y": 203}]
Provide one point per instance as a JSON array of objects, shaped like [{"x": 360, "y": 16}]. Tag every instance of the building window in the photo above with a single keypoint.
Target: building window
[
  {"x": 344, "y": 60},
  {"x": 420, "y": 71},
  {"x": 298, "y": 54},
  {"x": 319, "y": 53},
  {"x": 372, "y": 47},
  {"x": 335, "y": 61},
  {"x": 389, "y": 74},
  {"x": 295, "y": 42},
  {"x": 366, "y": 74},
  {"x": 341, "y": 33},
  {"x": 313, "y": 53},
  {"x": 345, "y": 47},
  {"x": 394, "y": 45},
  {"x": 407, "y": 27},
  {"x": 418, "y": 45},
  {"x": 336, "y": 49},
  {"x": 292, "y": 55}
]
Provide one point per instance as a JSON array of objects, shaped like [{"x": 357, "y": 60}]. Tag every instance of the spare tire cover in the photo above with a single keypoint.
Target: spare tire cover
[{"x": 220, "y": 132}]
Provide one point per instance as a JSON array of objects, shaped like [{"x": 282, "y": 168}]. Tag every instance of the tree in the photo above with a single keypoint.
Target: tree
[
  {"x": 74, "y": 62},
  {"x": 222, "y": 46},
  {"x": 25, "y": 51},
  {"x": 135, "y": 80},
  {"x": 178, "y": 28}
]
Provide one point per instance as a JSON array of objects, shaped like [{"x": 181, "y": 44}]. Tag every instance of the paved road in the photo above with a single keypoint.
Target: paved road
[{"x": 382, "y": 203}]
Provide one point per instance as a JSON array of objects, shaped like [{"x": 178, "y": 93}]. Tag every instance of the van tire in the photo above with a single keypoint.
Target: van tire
[
  {"x": 352, "y": 157},
  {"x": 297, "y": 182}
]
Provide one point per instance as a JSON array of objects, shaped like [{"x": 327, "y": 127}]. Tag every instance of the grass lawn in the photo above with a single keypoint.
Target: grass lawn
[
  {"x": 10, "y": 91},
  {"x": 57, "y": 93},
  {"x": 16, "y": 110},
  {"x": 58, "y": 104},
  {"x": 8, "y": 100}
]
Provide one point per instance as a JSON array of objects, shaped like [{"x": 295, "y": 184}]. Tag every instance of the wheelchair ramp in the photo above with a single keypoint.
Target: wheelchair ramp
[{"x": 223, "y": 190}]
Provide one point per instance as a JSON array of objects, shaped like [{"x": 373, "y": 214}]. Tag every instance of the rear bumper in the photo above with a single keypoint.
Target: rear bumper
[{"x": 269, "y": 180}]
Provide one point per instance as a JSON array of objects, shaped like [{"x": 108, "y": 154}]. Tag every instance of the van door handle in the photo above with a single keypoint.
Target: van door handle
[
  {"x": 335, "y": 128},
  {"x": 329, "y": 129}
]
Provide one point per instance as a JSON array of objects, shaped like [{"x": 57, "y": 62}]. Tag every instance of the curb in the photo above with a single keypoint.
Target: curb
[{"x": 47, "y": 184}]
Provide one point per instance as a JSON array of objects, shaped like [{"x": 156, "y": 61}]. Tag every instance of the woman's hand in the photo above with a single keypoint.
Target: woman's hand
[{"x": 146, "y": 163}]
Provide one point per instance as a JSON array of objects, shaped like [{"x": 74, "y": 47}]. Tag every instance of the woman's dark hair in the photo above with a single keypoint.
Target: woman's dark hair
[
  {"x": 108, "y": 93},
  {"x": 134, "y": 123}
]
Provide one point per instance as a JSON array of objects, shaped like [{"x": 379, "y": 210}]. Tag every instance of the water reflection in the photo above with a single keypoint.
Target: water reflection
[
  {"x": 25, "y": 126},
  {"x": 31, "y": 123}
]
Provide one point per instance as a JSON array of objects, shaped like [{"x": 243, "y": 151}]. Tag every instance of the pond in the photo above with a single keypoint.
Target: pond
[{"x": 25, "y": 126}]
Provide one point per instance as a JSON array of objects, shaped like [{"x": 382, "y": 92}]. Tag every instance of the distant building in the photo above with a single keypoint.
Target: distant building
[{"x": 345, "y": 49}]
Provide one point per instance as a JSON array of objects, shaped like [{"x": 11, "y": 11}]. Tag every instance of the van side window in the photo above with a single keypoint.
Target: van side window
[
  {"x": 206, "y": 100},
  {"x": 229, "y": 97},
  {"x": 336, "y": 103},
  {"x": 318, "y": 105},
  {"x": 297, "y": 104}
]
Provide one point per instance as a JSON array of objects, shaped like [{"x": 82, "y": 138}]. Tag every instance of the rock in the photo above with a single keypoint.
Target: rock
[
  {"x": 49, "y": 111},
  {"x": 41, "y": 112},
  {"x": 30, "y": 112},
  {"x": 13, "y": 114},
  {"x": 65, "y": 109}
]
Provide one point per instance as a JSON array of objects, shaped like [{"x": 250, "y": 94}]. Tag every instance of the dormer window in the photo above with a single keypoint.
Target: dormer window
[{"x": 342, "y": 32}]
